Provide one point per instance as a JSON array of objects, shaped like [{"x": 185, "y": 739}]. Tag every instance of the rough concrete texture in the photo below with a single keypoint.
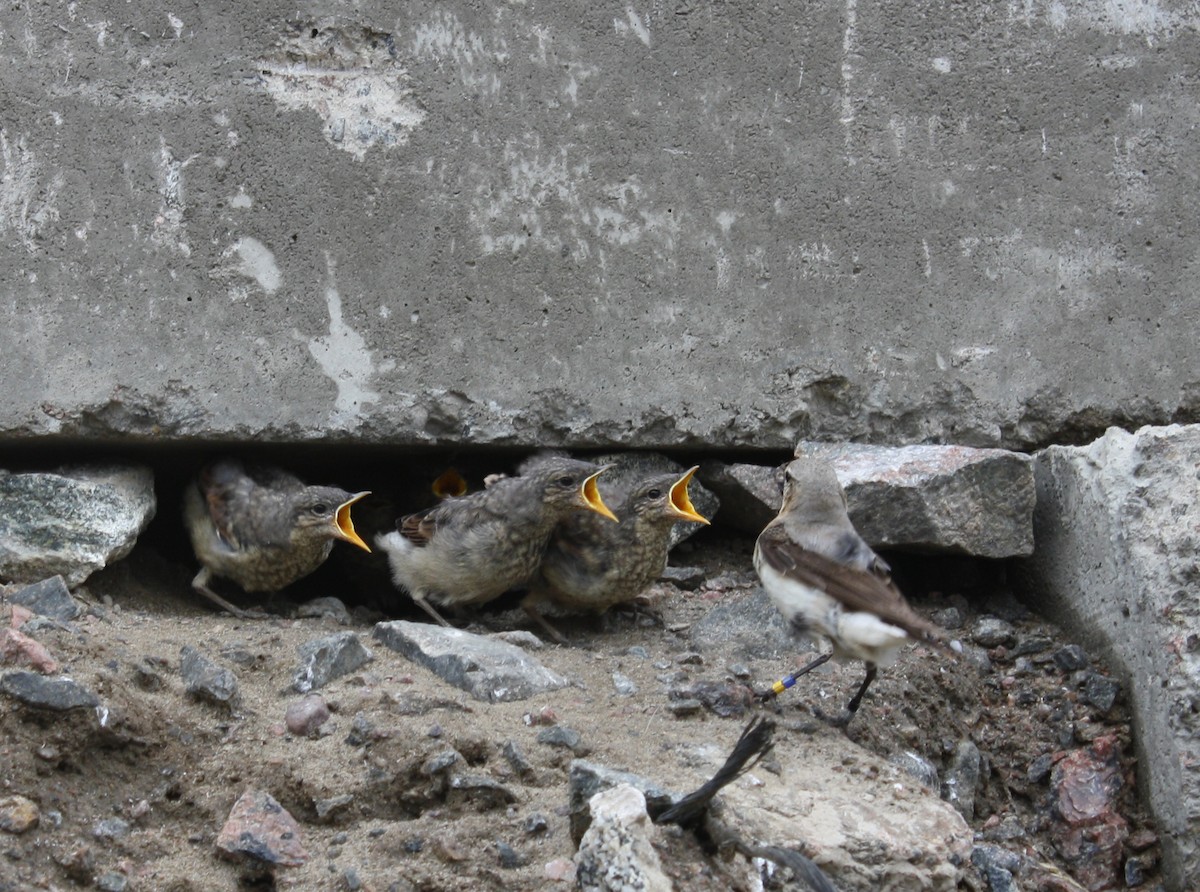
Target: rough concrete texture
[
  {"x": 1117, "y": 537},
  {"x": 71, "y": 522},
  {"x": 644, "y": 224}
]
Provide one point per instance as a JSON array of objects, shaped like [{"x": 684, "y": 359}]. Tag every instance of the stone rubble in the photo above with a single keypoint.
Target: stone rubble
[
  {"x": 488, "y": 669},
  {"x": 71, "y": 522}
]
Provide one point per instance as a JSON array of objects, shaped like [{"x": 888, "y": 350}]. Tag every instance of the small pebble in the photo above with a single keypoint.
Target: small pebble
[
  {"x": 509, "y": 859},
  {"x": 624, "y": 685},
  {"x": 1071, "y": 658},
  {"x": 536, "y": 823},
  {"x": 306, "y": 715}
]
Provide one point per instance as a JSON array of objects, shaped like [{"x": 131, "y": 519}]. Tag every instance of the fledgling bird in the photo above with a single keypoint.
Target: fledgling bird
[
  {"x": 469, "y": 550},
  {"x": 262, "y": 528},
  {"x": 591, "y": 564},
  {"x": 827, "y": 581}
]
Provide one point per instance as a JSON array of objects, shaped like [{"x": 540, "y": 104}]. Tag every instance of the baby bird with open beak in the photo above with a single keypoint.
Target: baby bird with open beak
[
  {"x": 591, "y": 565},
  {"x": 262, "y": 528},
  {"x": 827, "y": 582},
  {"x": 471, "y": 549}
]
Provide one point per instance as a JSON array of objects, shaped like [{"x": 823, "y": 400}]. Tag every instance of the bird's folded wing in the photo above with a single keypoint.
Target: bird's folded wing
[{"x": 855, "y": 589}]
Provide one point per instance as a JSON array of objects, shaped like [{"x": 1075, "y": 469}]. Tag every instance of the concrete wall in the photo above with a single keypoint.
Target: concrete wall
[{"x": 647, "y": 223}]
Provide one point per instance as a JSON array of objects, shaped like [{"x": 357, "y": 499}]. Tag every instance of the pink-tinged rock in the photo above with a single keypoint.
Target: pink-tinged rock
[
  {"x": 305, "y": 716},
  {"x": 1086, "y": 782},
  {"x": 1090, "y": 835},
  {"x": 260, "y": 828},
  {"x": 18, "y": 814},
  {"x": 20, "y": 615},
  {"x": 562, "y": 869},
  {"x": 18, "y": 649}
]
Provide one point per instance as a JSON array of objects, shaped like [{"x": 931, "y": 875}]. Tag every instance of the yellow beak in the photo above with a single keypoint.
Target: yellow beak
[
  {"x": 450, "y": 483},
  {"x": 345, "y": 526},
  {"x": 681, "y": 504},
  {"x": 590, "y": 493}
]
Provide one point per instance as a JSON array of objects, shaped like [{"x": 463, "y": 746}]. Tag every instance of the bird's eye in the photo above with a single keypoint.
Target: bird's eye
[
  {"x": 319, "y": 509},
  {"x": 654, "y": 494},
  {"x": 566, "y": 481}
]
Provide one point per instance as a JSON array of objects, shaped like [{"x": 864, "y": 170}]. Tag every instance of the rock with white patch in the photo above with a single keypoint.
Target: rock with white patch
[{"x": 71, "y": 522}]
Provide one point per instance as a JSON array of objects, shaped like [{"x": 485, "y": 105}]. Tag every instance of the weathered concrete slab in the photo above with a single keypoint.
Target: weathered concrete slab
[
  {"x": 952, "y": 499},
  {"x": 486, "y": 668},
  {"x": 1118, "y": 533},
  {"x": 71, "y": 522},
  {"x": 653, "y": 224}
]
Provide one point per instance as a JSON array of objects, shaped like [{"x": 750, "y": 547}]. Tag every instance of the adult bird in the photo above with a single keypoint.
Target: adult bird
[
  {"x": 592, "y": 564},
  {"x": 828, "y": 583},
  {"x": 262, "y": 527},
  {"x": 468, "y": 550}
]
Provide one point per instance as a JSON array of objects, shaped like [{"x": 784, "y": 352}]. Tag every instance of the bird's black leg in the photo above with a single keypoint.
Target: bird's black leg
[
  {"x": 784, "y": 683},
  {"x": 853, "y": 705}
]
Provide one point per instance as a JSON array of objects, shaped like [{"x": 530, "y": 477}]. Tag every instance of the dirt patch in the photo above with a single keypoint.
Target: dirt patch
[{"x": 137, "y": 800}]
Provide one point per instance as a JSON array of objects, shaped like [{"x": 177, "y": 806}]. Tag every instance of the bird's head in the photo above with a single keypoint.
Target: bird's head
[
  {"x": 568, "y": 484},
  {"x": 812, "y": 485},
  {"x": 664, "y": 498},
  {"x": 324, "y": 512}
]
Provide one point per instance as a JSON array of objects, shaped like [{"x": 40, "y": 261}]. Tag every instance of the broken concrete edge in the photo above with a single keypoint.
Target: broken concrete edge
[{"x": 1114, "y": 564}]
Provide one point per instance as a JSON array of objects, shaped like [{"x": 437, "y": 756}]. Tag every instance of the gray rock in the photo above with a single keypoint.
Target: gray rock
[
  {"x": 329, "y": 808},
  {"x": 962, "y": 778},
  {"x": 565, "y": 738},
  {"x": 206, "y": 680},
  {"x": 1116, "y": 567},
  {"x": 111, "y": 881},
  {"x": 953, "y": 499},
  {"x": 750, "y": 494},
  {"x": 1101, "y": 691},
  {"x": 324, "y": 659},
  {"x": 439, "y": 762},
  {"x": 57, "y": 694},
  {"x": 917, "y": 766},
  {"x": 861, "y": 820},
  {"x": 991, "y": 631},
  {"x": 110, "y": 828},
  {"x": 50, "y": 597},
  {"x": 485, "y": 668},
  {"x": 1071, "y": 658},
  {"x": 997, "y": 866},
  {"x": 516, "y": 758},
  {"x": 586, "y": 779},
  {"x": 325, "y": 608},
  {"x": 479, "y": 791},
  {"x": 631, "y": 467},
  {"x": 686, "y": 578},
  {"x": 623, "y": 684},
  {"x": 748, "y": 627},
  {"x": 616, "y": 853},
  {"x": 71, "y": 522}
]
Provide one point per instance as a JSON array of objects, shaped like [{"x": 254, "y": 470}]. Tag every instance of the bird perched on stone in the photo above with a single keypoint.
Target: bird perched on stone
[
  {"x": 262, "y": 528},
  {"x": 827, "y": 581},
  {"x": 592, "y": 564},
  {"x": 469, "y": 550}
]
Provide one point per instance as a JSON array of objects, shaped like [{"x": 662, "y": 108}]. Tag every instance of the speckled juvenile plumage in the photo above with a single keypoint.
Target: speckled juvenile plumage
[
  {"x": 827, "y": 581},
  {"x": 591, "y": 565},
  {"x": 469, "y": 550},
  {"x": 262, "y": 529}
]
